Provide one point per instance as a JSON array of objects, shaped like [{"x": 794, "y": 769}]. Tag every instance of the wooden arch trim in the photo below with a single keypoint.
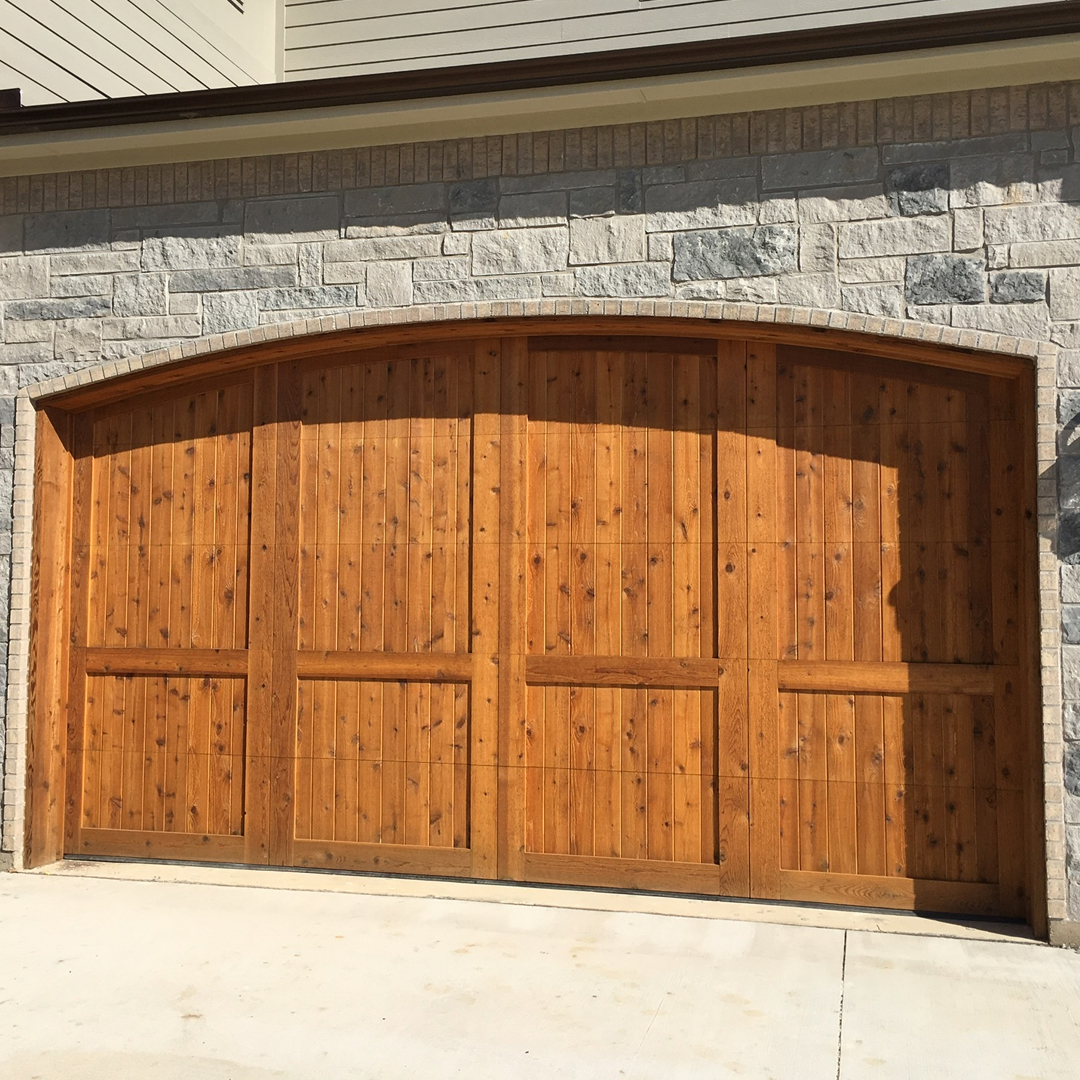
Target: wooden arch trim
[{"x": 52, "y": 567}]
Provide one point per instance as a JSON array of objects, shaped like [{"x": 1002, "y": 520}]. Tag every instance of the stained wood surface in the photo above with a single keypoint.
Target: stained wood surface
[{"x": 700, "y": 614}]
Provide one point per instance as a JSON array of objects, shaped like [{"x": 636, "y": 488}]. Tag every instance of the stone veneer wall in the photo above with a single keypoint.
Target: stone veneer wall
[{"x": 959, "y": 211}]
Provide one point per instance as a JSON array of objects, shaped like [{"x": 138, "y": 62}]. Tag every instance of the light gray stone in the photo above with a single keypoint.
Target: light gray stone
[
  {"x": 819, "y": 168},
  {"x": 922, "y": 188},
  {"x": 740, "y": 290},
  {"x": 270, "y": 254},
  {"x": 873, "y": 299},
  {"x": 225, "y": 311},
  {"x": 1070, "y": 585},
  {"x": 809, "y": 290},
  {"x": 302, "y": 297},
  {"x": 190, "y": 253},
  {"x": 184, "y": 303},
  {"x": 1071, "y": 770},
  {"x": 701, "y": 205},
  {"x": 817, "y": 248},
  {"x": 24, "y": 277},
  {"x": 344, "y": 273},
  {"x": 1070, "y": 624},
  {"x": 1066, "y": 334},
  {"x": 70, "y": 230},
  {"x": 992, "y": 181},
  {"x": 967, "y": 229},
  {"x": 1013, "y": 320},
  {"x": 857, "y": 203},
  {"x": 18, "y": 330},
  {"x": 635, "y": 279},
  {"x": 1046, "y": 253},
  {"x": 607, "y": 240},
  {"x": 530, "y": 210},
  {"x": 456, "y": 244},
  {"x": 520, "y": 251},
  {"x": 93, "y": 262},
  {"x": 895, "y": 236},
  {"x": 383, "y": 248},
  {"x": 454, "y": 268},
  {"x": 139, "y": 294},
  {"x": 1065, "y": 292},
  {"x": 775, "y": 211},
  {"x": 1018, "y": 287},
  {"x": 1038, "y": 222},
  {"x": 82, "y": 285},
  {"x": 298, "y": 218},
  {"x": 857, "y": 271},
  {"x": 163, "y": 327},
  {"x": 945, "y": 279},
  {"x": 389, "y": 284},
  {"x": 997, "y": 256},
  {"x": 1068, "y": 368},
  {"x": 1072, "y": 720},
  {"x": 309, "y": 267},
  {"x": 564, "y": 284},
  {"x": 735, "y": 253},
  {"x": 78, "y": 342},
  {"x": 82, "y": 307},
  {"x": 525, "y": 287},
  {"x": 222, "y": 279}
]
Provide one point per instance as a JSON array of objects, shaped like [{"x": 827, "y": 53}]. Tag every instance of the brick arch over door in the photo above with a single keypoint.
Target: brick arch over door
[{"x": 624, "y": 601}]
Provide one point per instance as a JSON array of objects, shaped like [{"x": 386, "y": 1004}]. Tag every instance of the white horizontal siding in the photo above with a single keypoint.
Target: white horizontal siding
[
  {"x": 342, "y": 37},
  {"x": 71, "y": 50}
]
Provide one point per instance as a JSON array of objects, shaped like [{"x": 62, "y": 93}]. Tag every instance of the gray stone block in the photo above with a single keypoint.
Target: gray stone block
[
  {"x": 945, "y": 279},
  {"x": 139, "y": 294},
  {"x": 918, "y": 189},
  {"x": 819, "y": 168},
  {"x": 82, "y": 285},
  {"x": 383, "y": 248},
  {"x": 707, "y": 204},
  {"x": 525, "y": 287},
  {"x": 629, "y": 192},
  {"x": 82, "y": 307},
  {"x": 1013, "y": 320},
  {"x": 1071, "y": 720},
  {"x": 991, "y": 181},
  {"x": 23, "y": 278},
  {"x": 1071, "y": 769},
  {"x": 945, "y": 149},
  {"x": 1031, "y": 223},
  {"x": 520, "y": 251},
  {"x": 225, "y": 311},
  {"x": 563, "y": 181},
  {"x": 637, "y": 279},
  {"x": 11, "y": 234},
  {"x": 189, "y": 252},
  {"x": 151, "y": 327},
  {"x": 474, "y": 197},
  {"x": 452, "y": 268},
  {"x": 326, "y": 296},
  {"x": 1065, "y": 292},
  {"x": 297, "y": 218},
  {"x": 1018, "y": 287},
  {"x": 389, "y": 284},
  {"x": 817, "y": 248},
  {"x": 93, "y": 262},
  {"x": 226, "y": 278},
  {"x": 594, "y": 241},
  {"x": 78, "y": 342},
  {"x": 722, "y": 168},
  {"x": 895, "y": 236},
  {"x": 533, "y": 209},
  {"x": 387, "y": 204},
  {"x": 735, "y": 253},
  {"x": 859, "y": 203},
  {"x": 162, "y": 215},
  {"x": 68, "y": 230},
  {"x": 1068, "y": 475},
  {"x": 1070, "y": 624},
  {"x": 1068, "y": 539},
  {"x": 872, "y": 299}
]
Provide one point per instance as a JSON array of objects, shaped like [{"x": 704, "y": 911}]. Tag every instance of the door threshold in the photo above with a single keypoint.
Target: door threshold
[{"x": 528, "y": 894}]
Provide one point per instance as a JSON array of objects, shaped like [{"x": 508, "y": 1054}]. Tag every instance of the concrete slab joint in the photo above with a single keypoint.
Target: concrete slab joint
[{"x": 883, "y": 218}]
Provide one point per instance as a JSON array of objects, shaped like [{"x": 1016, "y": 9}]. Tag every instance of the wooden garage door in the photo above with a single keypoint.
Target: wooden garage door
[{"x": 687, "y": 614}]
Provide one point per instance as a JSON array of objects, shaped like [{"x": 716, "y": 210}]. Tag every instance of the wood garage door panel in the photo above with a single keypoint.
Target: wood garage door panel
[
  {"x": 383, "y": 762},
  {"x": 169, "y": 523},
  {"x": 164, "y": 755},
  {"x": 707, "y": 616}
]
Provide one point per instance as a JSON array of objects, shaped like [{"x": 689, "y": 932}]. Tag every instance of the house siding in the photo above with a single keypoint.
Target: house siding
[
  {"x": 117, "y": 48},
  {"x": 351, "y": 37},
  {"x": 959, "y": 212}
]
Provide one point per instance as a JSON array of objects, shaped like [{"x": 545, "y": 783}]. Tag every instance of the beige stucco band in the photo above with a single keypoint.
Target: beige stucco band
[
  {"x": 929, "y": 71},
  {"x": 1042, "y": 355}
]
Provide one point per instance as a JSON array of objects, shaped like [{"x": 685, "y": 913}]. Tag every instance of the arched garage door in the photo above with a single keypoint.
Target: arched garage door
[{"x": 678, "y": 613}]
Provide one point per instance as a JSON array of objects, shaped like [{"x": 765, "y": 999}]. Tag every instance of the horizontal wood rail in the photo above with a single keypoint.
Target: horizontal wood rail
[
  {"x": 384, "y": 858},
  {"x": 655, "y": 671},
  {"x": 141, "y": 843},
  {"x": 622, "y": 343},
  {"x": 855, "y": 677},
  {"x": 648, "y": 874},
  {"x": 110, "y": 661},
  {"x": 385, "y": 666}
]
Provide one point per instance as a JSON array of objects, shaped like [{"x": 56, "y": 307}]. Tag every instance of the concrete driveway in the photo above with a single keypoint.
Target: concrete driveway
[{"x": 253, "y": 975}]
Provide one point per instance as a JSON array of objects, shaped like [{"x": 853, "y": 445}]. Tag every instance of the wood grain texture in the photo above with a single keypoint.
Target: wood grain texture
[{"x": 608, "y": 605}]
